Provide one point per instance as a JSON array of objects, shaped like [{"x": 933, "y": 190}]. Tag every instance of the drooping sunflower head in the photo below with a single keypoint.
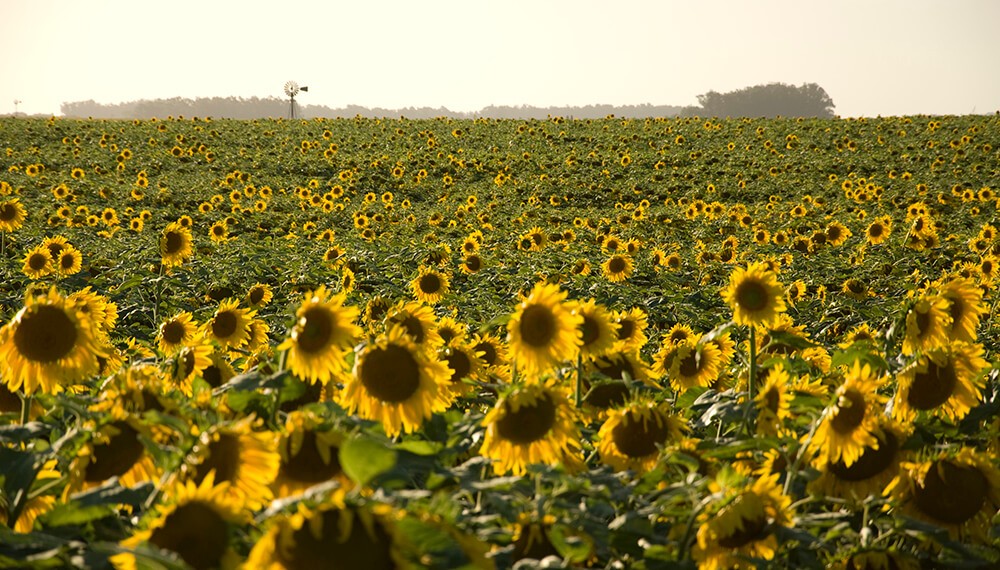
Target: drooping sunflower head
[
  {"x": 465, "y": 365},
  {"x": 309, "y": 449},
  {"x": 632, "y": 437},
  {"x": 754, "y": 295},
  {"x": 48, "y": 344},
  {"x": 396, "y": 383},
  {"x": 598, "y": 329},
  {"x": 965, "y": 307},
  {"x": 773, "y": 400},
  {"x": 325, "y": 329},
  {"x": 956, "y": 490},
  {"x": 877, "y": 465},
  {"x": 544, "y": 331},
  {"x": 114, "y": 450},
  {"x": 533, "y": 423},
  {"x": 943, "y": 382}
]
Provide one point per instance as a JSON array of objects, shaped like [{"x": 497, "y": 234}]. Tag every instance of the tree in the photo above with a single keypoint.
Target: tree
[{"x": 771, "y": 100}]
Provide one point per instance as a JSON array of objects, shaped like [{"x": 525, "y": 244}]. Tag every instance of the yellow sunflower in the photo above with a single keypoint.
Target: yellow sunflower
[
  {"x": 965, "y": 306},
  {"x": 493, "y": 354},
  {"x": 69, "y": 262},
  {"x": 114, "y": 450},
  {"x": 688, "y": 363},
  {"x": 191, "y": 361},
  {"x": 234, "y": 453},
  {"x": 396, "y": 383},
  {"x": 418, "y": 322},
  {"x": 957, "y": 490},
  {"x": 101, "y": 311},
  {"x": 533, "y": 423},
  {"x": 877, "y": 465},
  {"x": 598, "y": 330},
  {"x": 773, "y": 400},
  {"x": 631, "y": 333},
  {"x": 465, "y": 364},
  {"x": 219, "y": 232},
  {"x": 259, "y": 294},
  {"x": 944, "y": 382},
  {"x": 754, "y": 295},
  {"x": 324, "y": 330},
  {"x": 741, "y": 524},
  {"x": 543, "y": 331},
  {"x": 430, "y": 285},
  {"x": 197, "y": 524},
  {"x": 632, "y": 437},
  {"x": 850, "y": 424},
  {"x": 334, "y": 536},
  {"x": 12, "y": 215},
  {"x": 175, "y": 245},
  {"x": 451, "y": 330},
  {"x": 37, "y": 263},
  {"x": 48, "y": 344},
  {"x": 928, "y": 324},
  {"x": 176, "y": 332},
  {"x": 309, "y": 455},
  {"x": 230, "y": 325},
  {"x": 617, "y": 268}
]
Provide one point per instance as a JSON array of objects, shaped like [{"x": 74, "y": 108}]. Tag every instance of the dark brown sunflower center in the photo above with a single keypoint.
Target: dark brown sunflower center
[
  {"x": 537, "y": 326},
  {"x": 489, "y": 352},
  {"x": 37, "y": 261},
  {"x": 952, "y": 493},
  {"x": 45, "y": 334},
  {"x": 55, "y": 248},
  {"x": 752, "y": 295},
  {"x": 9, "y": 401},
  {"x": 187, "y": 361},
  {"x": 223, "y": 456},
  {"x": 617, "y": 264},
  {"x": 8, "y": 212},
  {"x": 460, "y": 365},
  {"x": 117, "y": 456},
  {"x": 637, "y": 438},
  {"x": 351, "y": 543},
  {"x": 591, "y": 330},
  {"x": 67, "y": 261},
  {"x": 414, "y": 328},
  {"x": 690, "y": 364},
  {"x": 533, "y": 544},
  {"x": 257, "y": 295},
  {"x": 626, "y": 328},
  {"x": 932, "y": 388},
  {"x": 212, "y": 374},
  {"x": 772, "y": 399},
  {"x": 196, "y": 532},
  {"x": 529, "y": 423},
  {"x": 872, "y": 461},
  {"x": 218, "y": 231},
  {"x": 390, "y": 374},
  {"x": 876, "y": 230},
  {"x": 315, "y": 330},
  {"x": 430, "y": 284},
  {"x": 224, "y": 324},
  {"x": 923, "y": 322},
  {"x": 174, "y": 242},
  {"x": 308, "y": 465},
  {"x": 616, "y": 368},
  {"x": 473, "y": 263},
  {"x": 753, "y": 530},
  {"x": 173, "y": 332},
  {"x": 957, "y": 310},
  {"x": 855, "y": 287},
  {"x": 607, "y": 395},
  {"x": 850, "y": 412}
]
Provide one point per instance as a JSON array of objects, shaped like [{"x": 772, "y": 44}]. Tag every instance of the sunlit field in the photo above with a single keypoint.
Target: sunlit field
[{"x": 650, "y": 344}]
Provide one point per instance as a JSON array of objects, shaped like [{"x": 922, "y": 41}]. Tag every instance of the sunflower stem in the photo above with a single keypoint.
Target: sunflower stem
[
  {"x": 579, "y": 380},
  {"x": 25, "y": 408},
  {"x": 751, "y": 379}
]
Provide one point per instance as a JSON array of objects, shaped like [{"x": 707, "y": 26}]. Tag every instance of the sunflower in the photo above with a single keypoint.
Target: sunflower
[
  {"x": 631, "y": 334},
  {"x": 878, "y": 231},
  {"x": 335, "y": 536},
  {"x": 176, "y": 332},
  {"x": 754, "y": 295},
  {"x": 471, "y": 264},
  {"x": 259, "y": 295},
  {"x": 618, "y": 365},
  {"x": 114, "y": 450},
  {"x": 197, "y": 525},
  {"x": 533, "y": 423},
  {"x": 325, "y": 328},
  {"x": 855, "y": 289},
  {"x": 37, "y": 263},
  {"x": 632, "y": 437},
  {"x": 69, "y": 262},
  {"x": 191, "y": 361},
  {"x": 175, "y": 244},
  {"x": 48, "y": 344},
  {"x": 958, "y": 490},
  {"x": 837, "y": 233},
  {"x": 598, "y": 330},
  {"x": 944, "y": 382},
  {"x": 396, "y": 383},
  {"x": 874, "y": 558},
  {"x": 740, "y": 524},
  {"x": 688, "y": 363},
  {"x": 12, "y": 215},
  {"x": 235, "y": 454},
  {"x": 418, "y": 323},
  {"x": 101, "y": 311},
  {"x": 928, "y": 324},
  {"x": 877, "y": 465},
  {"x": 219, "y": 232},
  {"x": 451, "y": 330},
  {"x": 429, "y": 285},
  {"x": 465, "y": 364},
  {"x": 309, "y": 455},
  {"x": 849, "y": 425},
  {"x": 773, "y": 401},
  {"x": 965, "y": 306},
  {"x": 134, "y": 390},
  {"x": 617, "y": 268},
  {"x": 229, "y": 326},
  {"x": 544, "y": 331}
]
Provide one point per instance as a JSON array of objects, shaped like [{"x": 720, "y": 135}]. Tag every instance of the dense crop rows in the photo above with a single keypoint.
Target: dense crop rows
[{"x": 396, "y": 343}]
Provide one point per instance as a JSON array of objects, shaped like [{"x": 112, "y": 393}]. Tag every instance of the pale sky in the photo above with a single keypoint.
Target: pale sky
[{"x": 873, "y": 57}]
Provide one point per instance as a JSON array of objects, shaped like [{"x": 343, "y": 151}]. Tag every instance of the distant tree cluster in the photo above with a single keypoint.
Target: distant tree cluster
[
  {"x": 257, "y": 108},
  {"x": 771, "y": 100}
]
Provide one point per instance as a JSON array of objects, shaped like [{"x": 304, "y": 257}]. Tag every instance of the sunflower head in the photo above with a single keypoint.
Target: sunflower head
[
  {"x": 325, "y": 329},
  {"x": 754, "y": 295},
  {"x": 544, "y": 330},
  {"x": 633, "y": 436}
]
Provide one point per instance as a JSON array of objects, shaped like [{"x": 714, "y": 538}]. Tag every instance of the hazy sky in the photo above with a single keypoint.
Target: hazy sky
[{"x": 873, "y": 57}]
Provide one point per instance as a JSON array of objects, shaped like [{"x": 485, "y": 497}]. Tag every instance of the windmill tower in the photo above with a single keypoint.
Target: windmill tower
[{"x": 292, "y": 89}]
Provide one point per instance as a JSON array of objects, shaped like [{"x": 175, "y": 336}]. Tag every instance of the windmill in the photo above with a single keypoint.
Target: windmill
[{"x": 292, "y": 89}]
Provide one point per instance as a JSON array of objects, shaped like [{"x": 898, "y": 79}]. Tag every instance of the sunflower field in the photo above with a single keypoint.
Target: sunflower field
[{"x": 392, "y": 343}]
